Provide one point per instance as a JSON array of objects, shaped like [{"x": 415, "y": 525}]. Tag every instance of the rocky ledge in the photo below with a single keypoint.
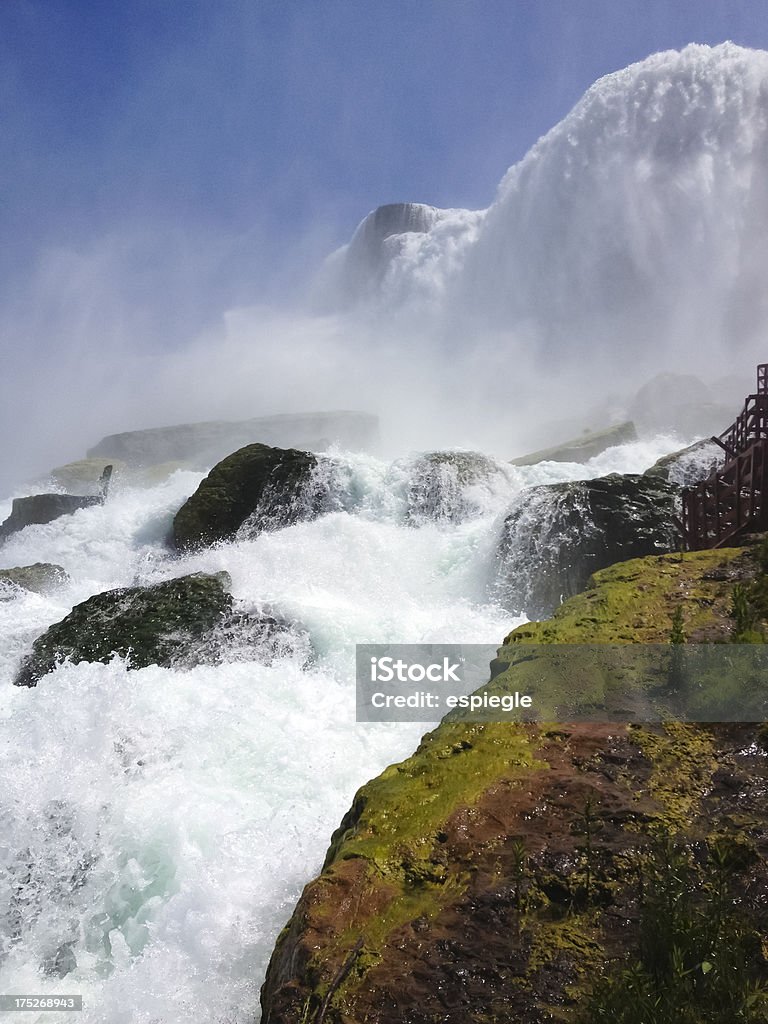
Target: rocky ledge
[{"x": 578, "y": 873}]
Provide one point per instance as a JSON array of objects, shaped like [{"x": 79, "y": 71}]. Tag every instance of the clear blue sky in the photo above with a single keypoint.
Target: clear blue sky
[{"x": 219, "y": 146}]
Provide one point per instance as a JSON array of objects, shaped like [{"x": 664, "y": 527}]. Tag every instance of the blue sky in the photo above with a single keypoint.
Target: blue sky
[
  {"x": 258, "y": 133},
  {"x": 166, "y": 160}
]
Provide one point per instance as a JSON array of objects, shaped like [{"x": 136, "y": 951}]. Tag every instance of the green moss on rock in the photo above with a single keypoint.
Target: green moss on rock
[
  {"x": 148, "y": 625},
  {"x": 269, "y": 484},
  {"x": 498, "y": 873}
]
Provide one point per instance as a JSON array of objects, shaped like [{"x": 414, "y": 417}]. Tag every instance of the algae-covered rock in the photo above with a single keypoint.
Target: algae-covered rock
[
  {"x": 441, "y": 483},
  {"x": 148, "y": 625},
  {"x": 38, "y": 578},
  {"x": 511, "y": 872},
  {"x": 582, "y": 448},
  {"x": 559, "y": 534},
  {"x": 39, "y": 509},
  {"x": 266, "y": 486}
]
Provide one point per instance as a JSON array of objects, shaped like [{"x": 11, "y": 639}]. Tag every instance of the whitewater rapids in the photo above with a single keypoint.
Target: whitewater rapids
[{"x": 157, "y": 826}]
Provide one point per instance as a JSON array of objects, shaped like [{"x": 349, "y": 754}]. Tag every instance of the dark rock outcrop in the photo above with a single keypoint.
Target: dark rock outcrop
[
  {"x": 39, "y": 578},
  {"x": 202, "y": 444},
  {"x": 43, "y": 508},
  {"x": 583, "y": 448},
  {"x": 155, "y": 625},
  {"x": 438, "y": 482},
  {"x": 559, "y": 534},
  {"x": 265, "y": 486}
]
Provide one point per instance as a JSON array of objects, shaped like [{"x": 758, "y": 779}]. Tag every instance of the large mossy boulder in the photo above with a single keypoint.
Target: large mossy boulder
[
  {"x": 515, "y": 872},
  {"x": 156, "y": 625},
  {"x": 559, "y": 534},
  {"x": 441, "y": 484},
  {"x": 267, "y": 487},
  {"x": 38, "y": 578}
]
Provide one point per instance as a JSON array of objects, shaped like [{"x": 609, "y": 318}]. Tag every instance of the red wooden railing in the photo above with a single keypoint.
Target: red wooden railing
[{"x": 734, "y": 500}]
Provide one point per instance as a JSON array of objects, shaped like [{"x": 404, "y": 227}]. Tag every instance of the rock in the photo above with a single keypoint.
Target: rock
[
  {"x": 43, "y": 508},
  {"x": 83, "y": 476},
  {"x": 559, "y": 534},
  {"x": 265, "y": 486},
  {"x": 689, "y": 465},
  {"x": 437, "y": 492},
  {"x": 241, "y": 636},
  {"x": 583, "y": 448},
  {"x": 501, "y": 872},
  {"x": 39, "y": 578},
  {"x": 203, "y": 444},
  {"x": 154, "y": 625},
  {"x": 679, "y": 403}
]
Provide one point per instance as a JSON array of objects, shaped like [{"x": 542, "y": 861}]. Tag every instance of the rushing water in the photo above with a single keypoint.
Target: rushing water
[{"x": 157, "y": 826}]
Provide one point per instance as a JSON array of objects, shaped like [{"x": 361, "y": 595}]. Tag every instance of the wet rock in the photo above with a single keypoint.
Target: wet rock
[
  {"x": 559, "y": 534},
  {"x": 39, "y": 578},
  {"x": 439, "y": 483},
  {"x": 259, "y": 486},
  {"x": 202, "y": 444},
  {"x": 43, "y": 508},
  {"x": 154, "y": 625},
  {"x": 689, "y": 465},
  {"x": 583, "y": 448},
  {"x": 500, "y": 872}
]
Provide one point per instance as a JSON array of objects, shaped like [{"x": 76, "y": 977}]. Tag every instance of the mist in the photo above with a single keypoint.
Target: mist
[{"x": 629, "y": 240}]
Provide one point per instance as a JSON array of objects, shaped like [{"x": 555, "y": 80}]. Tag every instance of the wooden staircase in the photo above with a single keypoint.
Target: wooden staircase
[{"x": 734, "y": 500}]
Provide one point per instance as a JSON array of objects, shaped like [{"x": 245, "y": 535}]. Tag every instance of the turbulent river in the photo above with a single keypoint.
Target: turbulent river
[{"x": 157, "y": 826}]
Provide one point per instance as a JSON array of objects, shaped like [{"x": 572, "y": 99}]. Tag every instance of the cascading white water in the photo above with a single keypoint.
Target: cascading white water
[
  {"x": 636, "y": 228},
  {"x": 157, "y": 826}
]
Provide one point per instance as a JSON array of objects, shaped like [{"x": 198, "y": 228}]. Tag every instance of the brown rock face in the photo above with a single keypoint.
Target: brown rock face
[
  {"x": 519, "y": 872},
  {"x": 531, "y": 891}
]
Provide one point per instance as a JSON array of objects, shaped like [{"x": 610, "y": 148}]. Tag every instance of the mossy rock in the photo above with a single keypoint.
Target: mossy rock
[
  {"x": 266, "y": 486},
  {"x": 38, "y": 578},
  {"x": 498, "y": 872},
  {"x": 153, "y": 625},
  {"x": 558, "y": 535}
]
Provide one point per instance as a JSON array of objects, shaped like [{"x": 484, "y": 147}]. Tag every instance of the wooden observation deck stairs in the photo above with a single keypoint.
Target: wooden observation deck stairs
[{"x": 734, "y": 500}]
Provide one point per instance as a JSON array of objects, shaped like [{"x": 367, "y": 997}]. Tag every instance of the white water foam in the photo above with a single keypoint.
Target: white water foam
[{"x": 158, "y": 825}]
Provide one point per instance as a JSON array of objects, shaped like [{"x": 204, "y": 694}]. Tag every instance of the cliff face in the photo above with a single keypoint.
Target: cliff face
[{"x": 525, "y": 872}]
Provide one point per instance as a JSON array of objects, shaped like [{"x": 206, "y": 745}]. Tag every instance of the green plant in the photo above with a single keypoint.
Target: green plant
[
  {"x": 676, "y": 633},
  {"x": 697, "y": 956},
  {"x": 587, "y": 825}
]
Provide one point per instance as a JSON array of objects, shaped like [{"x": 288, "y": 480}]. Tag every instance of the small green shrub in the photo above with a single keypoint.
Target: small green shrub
[{"x": 698, "y": 959}]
